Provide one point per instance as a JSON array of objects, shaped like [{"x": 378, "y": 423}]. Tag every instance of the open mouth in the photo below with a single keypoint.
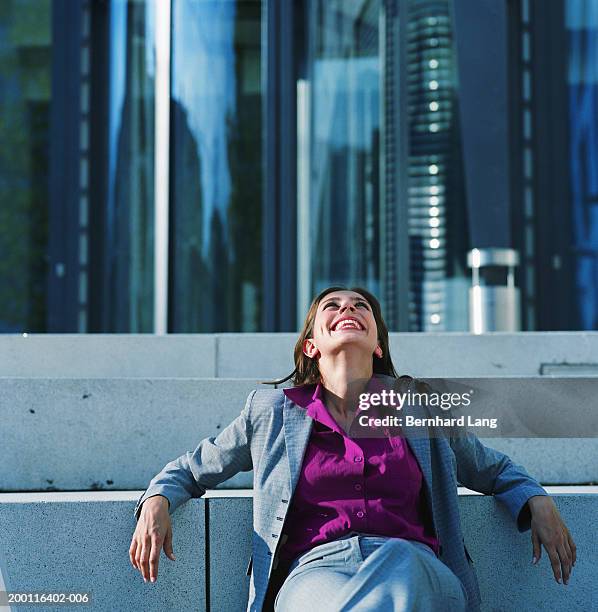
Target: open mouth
[{"x": 345, "y": 324}]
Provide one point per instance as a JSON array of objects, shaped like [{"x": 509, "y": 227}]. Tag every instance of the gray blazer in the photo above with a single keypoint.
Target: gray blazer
[{"x": 270, "y": 437}]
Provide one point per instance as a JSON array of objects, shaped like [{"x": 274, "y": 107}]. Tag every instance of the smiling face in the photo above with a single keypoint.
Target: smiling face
[{"x": 344, "y": 319}]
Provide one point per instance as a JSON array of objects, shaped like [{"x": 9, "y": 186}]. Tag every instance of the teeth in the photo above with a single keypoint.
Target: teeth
[{"x": 347, "y": 323}]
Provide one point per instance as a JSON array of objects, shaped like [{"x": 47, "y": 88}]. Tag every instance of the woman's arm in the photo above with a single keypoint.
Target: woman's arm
[
  {"x": 487, "y": 470},
  {"x": 215, "y": 460},
  {"x": 212, "y": 462},
  {"x": 491, "y": 472}
]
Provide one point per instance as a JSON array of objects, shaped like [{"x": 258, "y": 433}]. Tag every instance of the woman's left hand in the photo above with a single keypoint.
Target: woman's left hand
[{"x": 549, "y": 529}]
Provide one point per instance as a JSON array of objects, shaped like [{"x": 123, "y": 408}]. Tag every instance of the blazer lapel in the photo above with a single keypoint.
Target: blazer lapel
[
  {"x": 417, "y": 436},
  {"x": 297, "y": 429},
  {"x": 419, "y": 442}
]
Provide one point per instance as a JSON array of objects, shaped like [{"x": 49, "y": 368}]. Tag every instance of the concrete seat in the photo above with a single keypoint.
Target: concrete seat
[{"x": 80, "y": 541}]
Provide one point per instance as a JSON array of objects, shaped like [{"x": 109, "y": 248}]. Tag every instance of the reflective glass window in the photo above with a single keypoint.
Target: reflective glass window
[
  {"x": 438, "y": 228},
  {"x": 216, "y": 166},
  {"x": 582, "y": 27},
  {"x": 25, "y": 98},
  {"x": 128, "y": 226},
  {"x": 339, "y": 198}
]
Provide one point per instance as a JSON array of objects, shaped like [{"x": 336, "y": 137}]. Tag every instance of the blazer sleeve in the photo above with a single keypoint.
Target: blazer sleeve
[
  {"x": 491, "y": 472},
  {"x": 215, "y": 460}
]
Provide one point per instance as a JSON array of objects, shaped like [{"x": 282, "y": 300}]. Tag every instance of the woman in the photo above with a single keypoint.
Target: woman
[{"x": 344, "y": 520}]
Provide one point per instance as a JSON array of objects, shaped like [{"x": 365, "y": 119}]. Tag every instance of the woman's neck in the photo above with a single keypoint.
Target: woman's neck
[{"x": 343, "y": 380}]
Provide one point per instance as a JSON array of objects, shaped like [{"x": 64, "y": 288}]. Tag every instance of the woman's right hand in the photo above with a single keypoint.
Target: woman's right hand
[{"x": 153, "y": 531}]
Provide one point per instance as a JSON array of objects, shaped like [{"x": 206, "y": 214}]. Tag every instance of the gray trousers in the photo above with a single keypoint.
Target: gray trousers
[{"x": 365, "y": 573}]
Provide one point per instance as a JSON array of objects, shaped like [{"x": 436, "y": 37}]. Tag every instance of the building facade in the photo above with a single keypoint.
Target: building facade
[{"x": 210, "y": 165}]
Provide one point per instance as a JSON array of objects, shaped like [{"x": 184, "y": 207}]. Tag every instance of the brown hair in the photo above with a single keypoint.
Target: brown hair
[{"x": 306, "y": 370}]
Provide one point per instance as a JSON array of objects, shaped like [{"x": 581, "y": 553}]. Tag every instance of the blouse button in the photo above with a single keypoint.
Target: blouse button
[
  {"x": 358, "y": 459},
  {"x": 358, "y": 487},
  {"x": 361, "y": 514}
]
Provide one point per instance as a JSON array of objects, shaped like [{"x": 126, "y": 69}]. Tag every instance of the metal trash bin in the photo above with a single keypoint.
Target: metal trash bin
[{"x": 494, "y": 300}]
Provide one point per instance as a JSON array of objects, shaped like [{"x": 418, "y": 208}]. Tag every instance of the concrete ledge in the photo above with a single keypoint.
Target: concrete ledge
[
  {"x": 502, "y": 557},
  {"x": 429, "y": 355},
  {"x": 63, "y": 434},
  {"x": 116, "y": 434},
  {"x": 264, "y": 355},
  {"x": 54, "y": 541},
  {"x": 83, "y": 545},
  {"x": 554, "y": 461},
  {"x": 230, "y": 520},
  {"x": 106, "y": 355}
]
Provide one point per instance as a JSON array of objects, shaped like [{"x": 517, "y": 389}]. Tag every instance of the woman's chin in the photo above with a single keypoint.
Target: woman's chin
[{"x": 352, "y": 342}]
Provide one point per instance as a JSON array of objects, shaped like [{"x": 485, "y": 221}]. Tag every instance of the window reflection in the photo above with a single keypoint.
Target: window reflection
[
  {"x": 128, "y": 242},
  {"x": 438, "y": 237},
  {"x": 344, "y": 183},
  {"x": 25, "y": 91},
  {"x": 582, "y": 25},
  {"x": 216, "y": 171},
  {"x": 356, "y": 235}
]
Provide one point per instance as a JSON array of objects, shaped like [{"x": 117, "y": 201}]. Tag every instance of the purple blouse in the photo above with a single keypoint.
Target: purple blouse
[{"x": 369, "y": 485}]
